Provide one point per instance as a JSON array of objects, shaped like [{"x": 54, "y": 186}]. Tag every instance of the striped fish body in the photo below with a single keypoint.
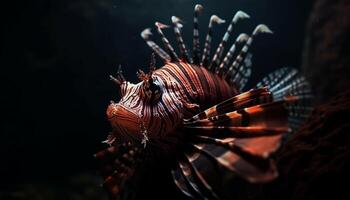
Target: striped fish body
[
  {"x": 195, "y": 84},
  {"x": 186, "y": 89},
  {"x": 194, "y": 112}
]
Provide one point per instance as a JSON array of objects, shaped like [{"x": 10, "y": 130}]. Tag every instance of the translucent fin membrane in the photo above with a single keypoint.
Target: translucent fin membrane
[
  {"x": 287, "y": 84},
  {"x": 233, "y": 138},
  {"x": 244, "y": 72}
]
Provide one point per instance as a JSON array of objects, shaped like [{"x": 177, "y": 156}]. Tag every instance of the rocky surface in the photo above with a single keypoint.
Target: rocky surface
[
  {"x": 326, "y": 62},
  {"x": 315, "y": 162}
]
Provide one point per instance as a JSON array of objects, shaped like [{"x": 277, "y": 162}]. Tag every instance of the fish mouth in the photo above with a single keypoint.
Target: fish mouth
[
  {"x": 116, "y": 109},
  {"x": 125, "y": 122}
]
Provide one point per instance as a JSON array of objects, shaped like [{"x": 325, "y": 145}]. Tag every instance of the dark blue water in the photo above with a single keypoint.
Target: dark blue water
[{"x": 58, "y": 54}]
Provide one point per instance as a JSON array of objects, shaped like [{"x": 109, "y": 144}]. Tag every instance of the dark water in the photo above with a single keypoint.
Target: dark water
[{"x": 55, "y": 60}]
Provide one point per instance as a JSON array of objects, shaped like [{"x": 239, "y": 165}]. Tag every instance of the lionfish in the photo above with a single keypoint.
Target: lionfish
[{"x": 194, "y": 112}]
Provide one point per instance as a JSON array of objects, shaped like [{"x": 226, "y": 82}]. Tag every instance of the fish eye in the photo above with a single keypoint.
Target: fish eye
[{"x": 152, "y": 90}]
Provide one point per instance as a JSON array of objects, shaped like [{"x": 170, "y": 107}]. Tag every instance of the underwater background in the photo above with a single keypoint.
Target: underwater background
[{"x": 56, "y": 57}]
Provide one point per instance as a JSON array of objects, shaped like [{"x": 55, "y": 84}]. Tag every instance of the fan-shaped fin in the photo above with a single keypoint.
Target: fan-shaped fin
[
  {"x": 234, "y": 138},
  {"x": 241, "y": 38},
  {"x": 221, "y": 132},
  {"x": 192, "y": 179},
  {"x": 112, "y": 185},
  {"x": 206, "y": 52},
  {"x": 244, "y": 72},
  {"x": 264, "y": 115},
  {"x": 196, "y": 44},
  {"x": 206, "y": 172},
  {"x": 234, "y": 68},
  {"x": 107, "y": 154},
  {"x": 117, "y": 166},
  {"x": 288, "y": 84},
  {"x": 168, "y": 47},
  {"x": 219, "y": 51},
  {"x": 202, "y": 182},
  {"x": 177, "y": 29},
  {"x": 182, "y": 184},
  {"x": 246, "y": 99},
  {"x": 145, "y": 34},
  {"x": 251, "y": 168},
  {"x": 275, "y": 77},
  {"x": 298, "y": 87},
  {"x": 261, "y": 146},
  {"x": 119, "y": 79}
]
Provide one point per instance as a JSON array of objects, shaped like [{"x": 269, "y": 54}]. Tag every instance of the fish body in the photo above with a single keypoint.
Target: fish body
[
  {"x": 185, "y": 88},
  {"x": 196, "y": 111}
]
